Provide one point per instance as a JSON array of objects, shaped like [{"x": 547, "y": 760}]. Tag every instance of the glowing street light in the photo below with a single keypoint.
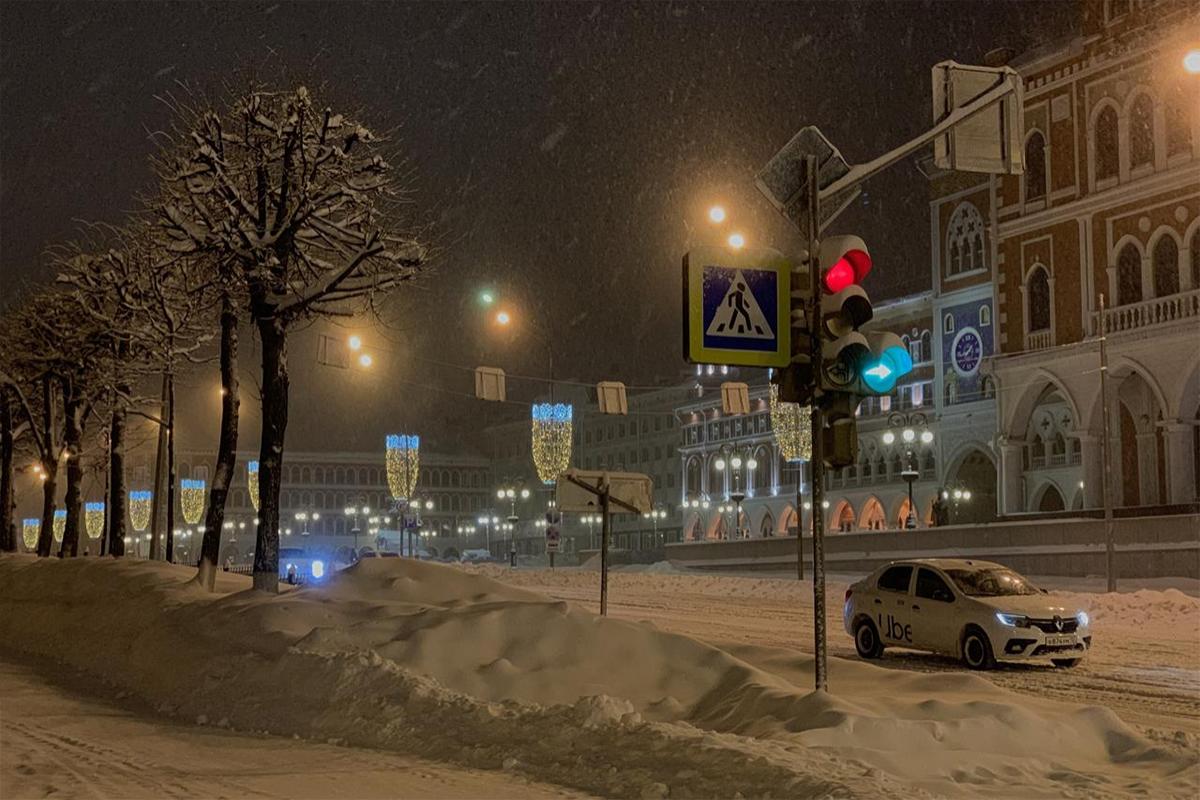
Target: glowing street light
[
  {"x": 355, "y": 343},
  {"x": 716, "y": 214},
  {"x": 503, "y": 318},
  {"x": 737, "y": 241},
  {"x": 487, "y": 298},
  {"x": 1191, "y": 62},
  {"x": 365, "y": 360}
]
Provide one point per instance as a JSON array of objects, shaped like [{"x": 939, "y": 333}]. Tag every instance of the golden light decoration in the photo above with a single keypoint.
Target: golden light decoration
[
  {"x": 403, "y": 462},
  {"x": 792, "y": 426},
  {"x": 191, "y": 500},
  {"x": 93, "y": 519},
  {"x": 139, "y": 508},
  {"x": 30, "y": 528},
  {"x": 60, "y": 524},
  {"x": 552, "y": 428},
  {"x": 252, "y": 482}
]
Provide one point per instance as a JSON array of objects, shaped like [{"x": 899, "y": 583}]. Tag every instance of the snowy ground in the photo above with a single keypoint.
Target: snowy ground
[
  {"x": 441, "y": 663},
  {"x": 60, "y": 742},
  {"x": 1145, "y": 664}
]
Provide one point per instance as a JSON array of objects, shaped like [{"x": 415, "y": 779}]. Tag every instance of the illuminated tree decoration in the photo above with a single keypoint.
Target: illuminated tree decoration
[
  {"x": 139, "y": 508},
  {"x": 29, "y": 532},
  {"x": 60, "y": 524},
  {"x": 552, "y": 439},
  {"x": 403, "y": 461},
  {"x": 93, "y": 519},
  {"x": 191, "y": 500},
  {"x": 792, "y": 425},
  {"x": 252, "y": 482}
]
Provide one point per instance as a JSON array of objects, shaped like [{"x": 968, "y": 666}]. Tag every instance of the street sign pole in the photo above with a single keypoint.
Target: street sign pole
[
  {"x": 817, "y": 473},
  {"x": 604, "y": 532}
]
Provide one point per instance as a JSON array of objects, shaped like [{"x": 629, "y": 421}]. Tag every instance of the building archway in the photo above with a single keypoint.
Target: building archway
[
  {"x": 1139, "y": 463},
  {"x": 787, "y": 521},
  {"x": 872, "y": 517},
  {"x": 973, "y": 468},
  {"x": 1048, "y": 498},
  {"x": 903, "y": 512},
  {"x": 842, "y": 518},
  {"x": 766, "y": 525}
]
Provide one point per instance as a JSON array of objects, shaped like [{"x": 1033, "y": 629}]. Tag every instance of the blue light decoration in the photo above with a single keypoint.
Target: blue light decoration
[
  {"x": 551, "y": 429},
  {"x": 252, "y": 482},
  {"x": 60, "y": 524},
  {"x": 30, "y": 527},
  {"x": 881, "y": 372},
  {"x": 93, "y": 519},
  {"x": 403, "y": 462},
  {"x": 139, "y": 508},
  {"x": 191, "y": 500}
]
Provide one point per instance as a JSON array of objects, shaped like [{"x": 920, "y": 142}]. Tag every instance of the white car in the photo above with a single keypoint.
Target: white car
[{"x": 974, "y": 610}]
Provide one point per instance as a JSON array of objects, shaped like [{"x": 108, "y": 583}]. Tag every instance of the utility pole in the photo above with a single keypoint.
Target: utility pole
[
  {"x": 1110, "y": 566},
  {"x": 817, "y": 476}
]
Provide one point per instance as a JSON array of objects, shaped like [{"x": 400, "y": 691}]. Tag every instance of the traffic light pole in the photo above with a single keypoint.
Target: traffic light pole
[{"x": 817, "y": 472}]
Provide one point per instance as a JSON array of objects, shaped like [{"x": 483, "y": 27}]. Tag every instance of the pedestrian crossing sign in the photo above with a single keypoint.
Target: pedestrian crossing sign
[{"x": 736, "y": 305}]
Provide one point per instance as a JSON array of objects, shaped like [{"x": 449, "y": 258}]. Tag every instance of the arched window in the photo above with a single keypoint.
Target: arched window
[
  {"x": 950, "y": 391},
  {"x": 1179, "y": 131},
  {"x": 964, "y": 240},
  {"x": 1141, "y": 132},
  {"x": 985, "y": 316},
  {"x": 948, "y": 323},
  {"x": 1129, "y": 276},
  {"x": 926, "y": 345},
  {"x": 1166, "y": 266},
  {"x": 1196, "y": 259},
  {"x": 1039, "y": 299},
  {"x": 1108, "y": 158},
  {"x": 1035, "y": 166}
]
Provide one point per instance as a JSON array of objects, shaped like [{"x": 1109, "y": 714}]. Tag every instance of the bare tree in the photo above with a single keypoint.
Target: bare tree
[{"x": 299, "y": 203}]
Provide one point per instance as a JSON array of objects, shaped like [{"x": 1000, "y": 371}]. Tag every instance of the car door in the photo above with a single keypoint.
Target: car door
[
  {"x": 935, "y": 612},
  {"x": 890, "y": 605}
]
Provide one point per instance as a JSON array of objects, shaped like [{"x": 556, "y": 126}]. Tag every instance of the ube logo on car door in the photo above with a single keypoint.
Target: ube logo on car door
[{"x": 894, "y": 629}]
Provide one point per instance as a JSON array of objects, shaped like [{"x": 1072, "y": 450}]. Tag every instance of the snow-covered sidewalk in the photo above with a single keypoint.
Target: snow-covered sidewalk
[
  {"x": 440, "y": 663},
  {"x": 64, "y": 743}
]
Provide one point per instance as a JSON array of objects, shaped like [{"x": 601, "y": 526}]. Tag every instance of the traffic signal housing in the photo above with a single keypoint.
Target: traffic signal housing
[{"x": 844, "y": 307}]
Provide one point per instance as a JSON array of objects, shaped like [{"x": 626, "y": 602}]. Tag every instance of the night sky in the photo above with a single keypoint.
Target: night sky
[{"x": 563, "y": 154}]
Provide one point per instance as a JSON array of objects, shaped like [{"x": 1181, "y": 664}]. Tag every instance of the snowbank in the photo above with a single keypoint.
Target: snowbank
[{"x": 457, "y": 666}]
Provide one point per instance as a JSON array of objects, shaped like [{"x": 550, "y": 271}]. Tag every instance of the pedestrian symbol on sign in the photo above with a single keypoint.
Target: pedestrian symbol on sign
[{"x": 739, "y": 314}]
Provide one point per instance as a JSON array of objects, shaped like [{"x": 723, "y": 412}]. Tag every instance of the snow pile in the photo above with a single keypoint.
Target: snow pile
[
  {"x": 1138, "y": 608},
  {"x": 456, "y": 666}
]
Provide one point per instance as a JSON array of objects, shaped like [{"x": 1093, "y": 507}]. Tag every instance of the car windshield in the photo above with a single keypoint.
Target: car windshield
[{"x": 990, "y": 582}]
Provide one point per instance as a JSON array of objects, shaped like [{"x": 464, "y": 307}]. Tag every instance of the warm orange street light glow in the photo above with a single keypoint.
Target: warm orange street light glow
[
  {"x": 716, "y": 214},
  {"x": 503, "y": 318},
  {"x": 737, "y": 241},
  {"x": 1191, "y": 62},
  {"x": 355, "y": 343},
  {"x": 365, "y": 360}
]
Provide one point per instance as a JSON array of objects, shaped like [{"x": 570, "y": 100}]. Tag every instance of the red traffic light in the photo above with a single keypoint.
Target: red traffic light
[{"x": 846, "y": 262}]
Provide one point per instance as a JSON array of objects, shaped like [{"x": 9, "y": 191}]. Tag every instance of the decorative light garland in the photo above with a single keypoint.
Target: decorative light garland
[
  {"x": 191, "y": 500},
  {"x": 252, "y": 482},
  {"x": 403, "y": 460},
  {"x": 60, "y": 524},
  {"x": 792, "y": 426},
  {"x": 93, "y": 519},
  {"x": 551, "y": 430},
  {"x": 139, "y": 508},
  {"x": 30, "y": 527}
]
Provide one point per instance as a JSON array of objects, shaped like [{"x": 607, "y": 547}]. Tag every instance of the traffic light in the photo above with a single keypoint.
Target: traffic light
[
  {"x": 845, "y": 307},
  {"x": 888, "y": 361}
]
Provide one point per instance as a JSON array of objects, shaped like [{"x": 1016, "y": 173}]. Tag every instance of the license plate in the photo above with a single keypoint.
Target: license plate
[{"x": 1058, "y": 641}]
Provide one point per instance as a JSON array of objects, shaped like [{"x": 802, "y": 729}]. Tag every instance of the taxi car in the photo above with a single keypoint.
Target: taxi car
[{"x": 978, "y": 611}]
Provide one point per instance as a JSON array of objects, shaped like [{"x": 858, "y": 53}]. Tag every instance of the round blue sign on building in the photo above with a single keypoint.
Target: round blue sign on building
[{"x": 967, "y": 352}]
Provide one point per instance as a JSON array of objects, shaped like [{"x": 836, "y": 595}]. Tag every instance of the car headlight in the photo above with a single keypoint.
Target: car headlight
[
  {"x": 1013, "y": 620},
  {"x": 1083, "y": 618},
  {"x": 318, "y": 569}
]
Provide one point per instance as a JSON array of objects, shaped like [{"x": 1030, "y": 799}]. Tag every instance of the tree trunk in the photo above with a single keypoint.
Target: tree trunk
[
  {"x": 50, "y": 468},
  {"x": 73, "y": 442},
  {"x": 170, "y": 468},
  {"x": 270, "y": 457},
  {"x": 8, "y": 523},
  {"x": 214, "y": 520},
  {"x": 160, "y": 489},
  {"x": 117, "y": 498}
]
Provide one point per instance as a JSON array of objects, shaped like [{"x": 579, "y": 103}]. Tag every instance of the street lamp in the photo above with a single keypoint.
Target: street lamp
[
  {"x": 1191, "y": 62},
  {"x": 304, "y": 517},
  {"x": 907, "y": 424},
  {"x": 654, "y": 516},
  {"x": 716, "y": 214},
  {"x": 736, "y": 462}
]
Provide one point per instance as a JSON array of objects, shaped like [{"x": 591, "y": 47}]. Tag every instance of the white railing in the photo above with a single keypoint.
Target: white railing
[
  {"x": 1038, "y": 340},
  {"x": 1157, "y": 311}
]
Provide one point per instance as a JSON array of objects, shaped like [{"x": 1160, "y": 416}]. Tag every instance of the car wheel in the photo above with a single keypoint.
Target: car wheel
[
  {"x": 1065, "y": 662},
  {"x": 867, "y": 641},
  {"x": 977, "y": 650}
]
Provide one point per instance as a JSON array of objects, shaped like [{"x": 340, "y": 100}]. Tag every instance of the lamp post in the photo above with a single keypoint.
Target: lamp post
[
  {"x": 735, "y": 464},
  {"x": 590, "y": 520},
  {"x": 654, "y": 516},
  {"x": 504, "y": 319},
  {"x": 910, "y": 429},
  {"x": 304, "y": 517}
]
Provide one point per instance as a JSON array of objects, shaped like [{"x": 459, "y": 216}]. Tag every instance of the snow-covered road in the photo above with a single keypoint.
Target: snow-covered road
[
  {"x": 1145, "y": 665},
  {"x": 58, "y": 743}
]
